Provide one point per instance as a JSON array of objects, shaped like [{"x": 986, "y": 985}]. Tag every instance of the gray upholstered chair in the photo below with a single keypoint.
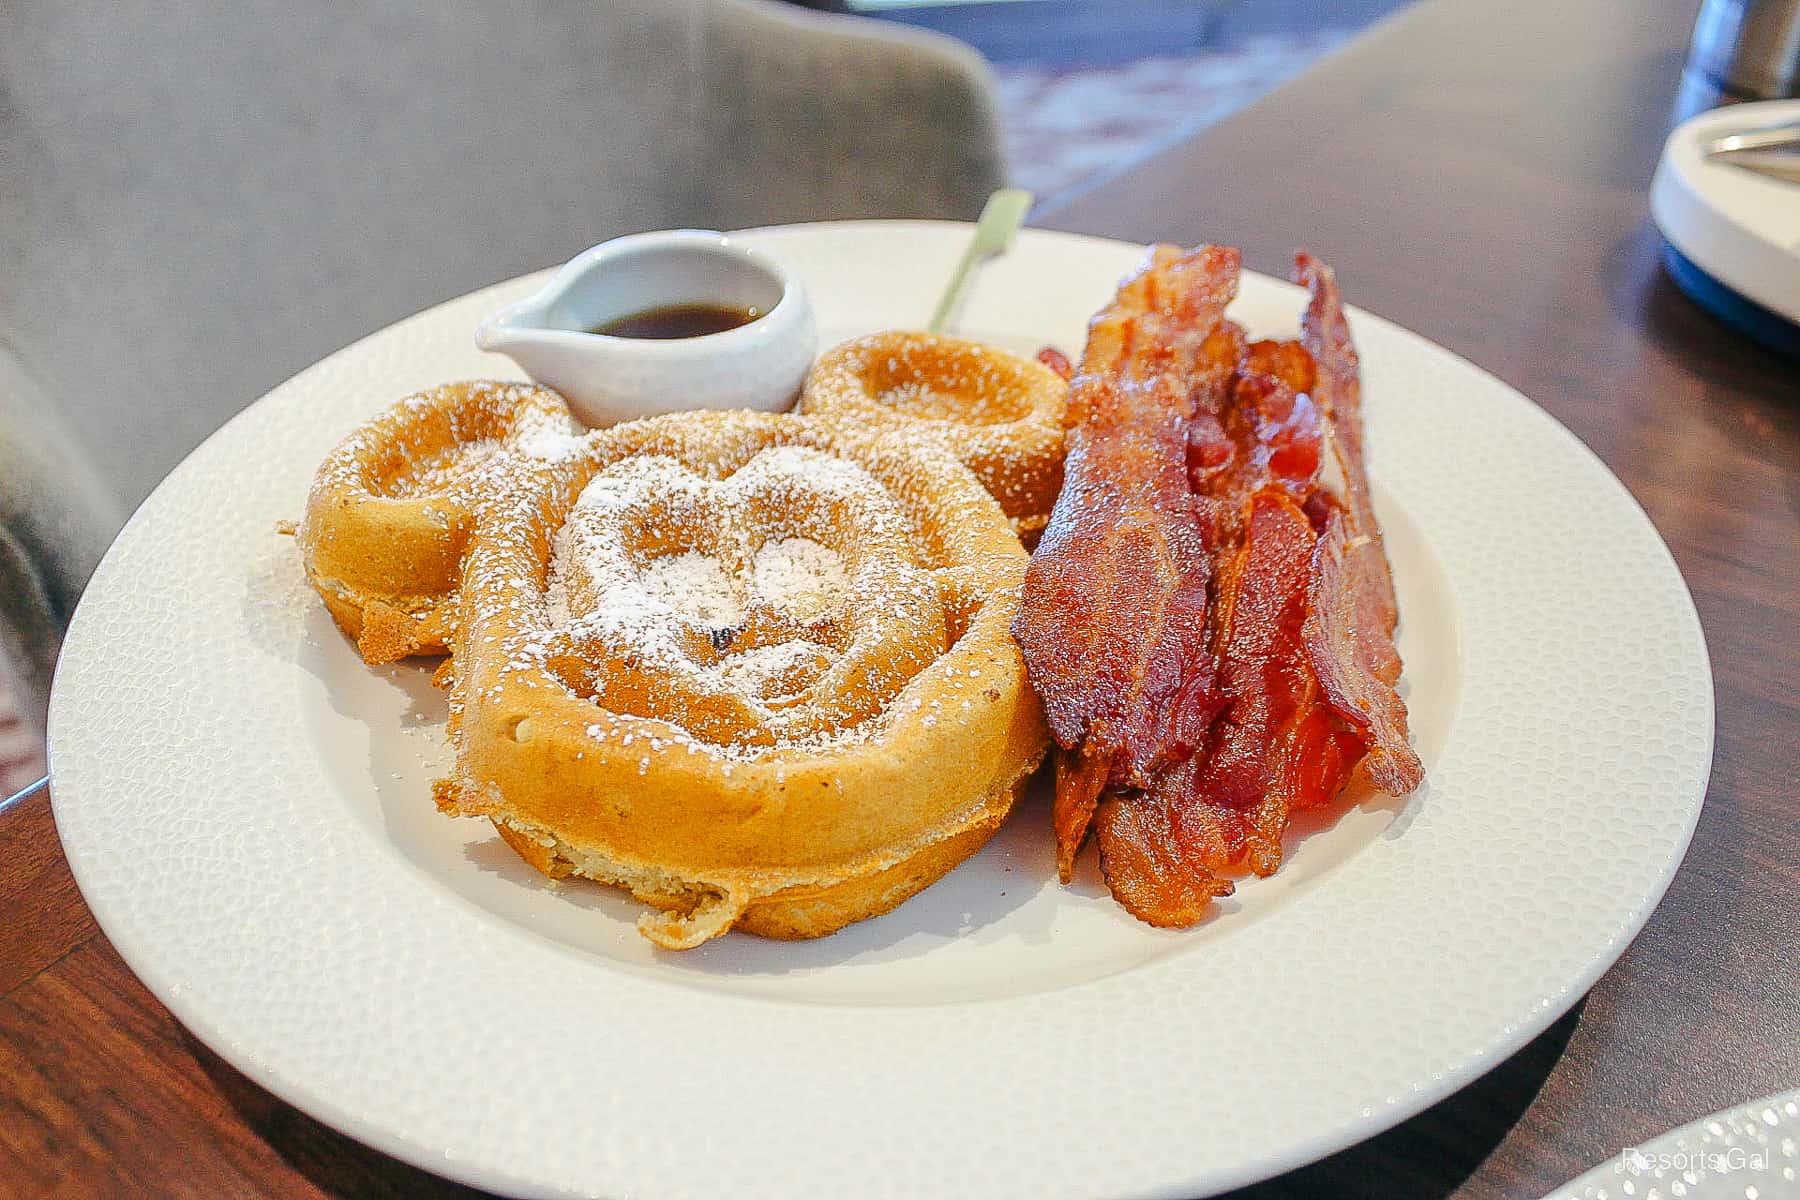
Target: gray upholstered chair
[
  {"x": 56, "y": 518},
  {"x": 198, "y": 200}
]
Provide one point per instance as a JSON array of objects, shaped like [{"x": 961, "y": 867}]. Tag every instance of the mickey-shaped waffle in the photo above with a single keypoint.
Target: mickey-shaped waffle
[{"x": 756, "y": 669}]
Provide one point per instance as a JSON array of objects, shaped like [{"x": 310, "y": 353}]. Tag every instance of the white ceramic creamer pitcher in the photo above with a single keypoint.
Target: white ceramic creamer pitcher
[{"x": 607, "y": 378}]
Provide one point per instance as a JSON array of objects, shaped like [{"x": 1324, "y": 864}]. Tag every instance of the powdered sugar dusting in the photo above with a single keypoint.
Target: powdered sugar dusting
[
  {"x": 776, "y": 673},
  {"x": 802, "y": 578},
  {"x": 693, "y": 586},
  {"x": 459, "y": 437},
  {"x": 546, "y": 434},
  {"x": 725, "y": 591},
  {"x": 439, "y": 473}
]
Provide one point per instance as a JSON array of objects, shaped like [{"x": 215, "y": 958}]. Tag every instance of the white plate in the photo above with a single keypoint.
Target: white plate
[
  {"x": 1746, "y": 1153},
  {"x": 245, "y": 807}
]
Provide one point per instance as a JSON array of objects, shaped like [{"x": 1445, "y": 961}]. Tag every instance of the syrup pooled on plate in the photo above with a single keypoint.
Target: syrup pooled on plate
[{"x": 671, "y": 321}]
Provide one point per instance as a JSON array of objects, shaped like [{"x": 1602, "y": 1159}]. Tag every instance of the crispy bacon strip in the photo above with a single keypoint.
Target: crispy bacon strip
[
  {"x": 1152, "y": 865},
  {"x": 1349, "y": 637},
  {"x": 1250, "y": 466},
  {"x": 1326, "y": 335},
  {"x": 1275, "y": 748},
  {"x": 1113, "y": 625},
  {"x": 1352, "y": 611},
  {"x": 1271, "y": 751},
  {"x": 1209, "y": 618}
]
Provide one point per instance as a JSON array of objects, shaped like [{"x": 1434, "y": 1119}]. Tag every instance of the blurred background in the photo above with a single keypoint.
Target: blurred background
[{"x": 1087, "y": 86}]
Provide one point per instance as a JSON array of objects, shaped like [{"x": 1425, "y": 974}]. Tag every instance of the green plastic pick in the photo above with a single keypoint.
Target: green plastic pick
[{"x": 1001, "y": 217}]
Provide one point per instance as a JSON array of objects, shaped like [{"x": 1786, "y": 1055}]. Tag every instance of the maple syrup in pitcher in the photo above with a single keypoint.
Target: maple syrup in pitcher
[{"x": 678, "y": 321}]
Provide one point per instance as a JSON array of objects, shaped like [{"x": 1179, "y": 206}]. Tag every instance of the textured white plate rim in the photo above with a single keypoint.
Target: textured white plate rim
[{"x": 214, "y": 1023}]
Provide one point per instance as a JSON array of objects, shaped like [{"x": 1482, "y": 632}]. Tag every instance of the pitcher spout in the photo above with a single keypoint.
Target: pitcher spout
[{"x": 514, "y": 327}]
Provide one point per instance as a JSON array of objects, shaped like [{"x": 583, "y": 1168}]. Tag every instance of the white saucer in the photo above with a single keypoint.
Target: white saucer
[
  {"x": 1739, "y": 227},
  {"x": 1746, "y": 1153}
]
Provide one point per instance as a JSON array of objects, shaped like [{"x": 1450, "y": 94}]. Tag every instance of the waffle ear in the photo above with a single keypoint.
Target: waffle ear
[
  {"x": 388, "y": 515},
  {"x": 1000, "y": 415}
]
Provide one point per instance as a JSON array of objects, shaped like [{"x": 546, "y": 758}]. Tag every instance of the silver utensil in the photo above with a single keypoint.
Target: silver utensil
[
  {"x": 1767, "y": 137},
  {"x": 1775, "y": 164},
  {"x": 1773, "y": 151},
  {"x": 26, "y": 793}
]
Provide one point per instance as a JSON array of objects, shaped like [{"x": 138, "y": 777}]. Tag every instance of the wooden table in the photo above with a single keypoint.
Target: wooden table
[{"x": 1476, "y": 170}]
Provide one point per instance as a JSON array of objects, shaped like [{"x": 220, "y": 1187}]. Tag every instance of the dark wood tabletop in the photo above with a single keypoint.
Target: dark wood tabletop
[{"x": 1478, "y": 171}]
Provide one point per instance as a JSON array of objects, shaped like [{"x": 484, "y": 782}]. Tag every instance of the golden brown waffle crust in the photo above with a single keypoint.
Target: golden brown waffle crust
[
  {"x": 786, "y": 840},
  {"x": 385, "y": 556},
  {"x": 1000, "y": 415}
]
